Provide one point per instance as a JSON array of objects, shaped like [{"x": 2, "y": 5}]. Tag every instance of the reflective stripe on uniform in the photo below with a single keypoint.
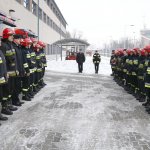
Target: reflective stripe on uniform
[
  {"x": 9, "y": 53},
  {"x": 33, "y": 54},
  {"x": 148, "y": 70},
  {"x": 130, "y": 62},
  {"x": 124, "y": 70},
  {"x": 33, "y": 62},
  {"x": 134, "y": 73},
  {"x": 45, "y": 65},
  {"x": 4, "y": 98},
  {"x": 24, "y": 90},
  {"x": 1, "y": 61},
  {"x": 39, "y": 70},
  {"x": 38, "y": 57},
  {"x": 25, "y": 65},
  {"x": 146, "y": 63},
  {"x": 147, "y": 85},
  {"x": 141, "y": 65},
  {"x": 135, "y": 62},
  {"x": 28, "y": 56},
  {"x": 12, "y": 73},
  {"x": 141, "y": 77},
  {"x": 2, "y": 80}
]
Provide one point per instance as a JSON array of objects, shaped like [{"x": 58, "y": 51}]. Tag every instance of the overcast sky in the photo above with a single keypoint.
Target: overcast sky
[{"x": 104, "y": 20}]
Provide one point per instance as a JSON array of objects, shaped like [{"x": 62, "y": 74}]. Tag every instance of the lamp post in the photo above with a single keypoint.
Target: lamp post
[
  {"x": 60, "y": 40},
  {"x": 125, "y": 28},
  {"x": 38, "y": 20}
]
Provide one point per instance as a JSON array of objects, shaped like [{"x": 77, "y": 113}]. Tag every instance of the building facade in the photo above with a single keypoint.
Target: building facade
[{"x": 50, "y": 24}]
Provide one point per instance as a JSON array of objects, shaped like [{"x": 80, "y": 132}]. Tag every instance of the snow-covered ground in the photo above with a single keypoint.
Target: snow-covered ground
[
  {"x": 71, "y": 66},
  {"x": 78, "y": 112}
]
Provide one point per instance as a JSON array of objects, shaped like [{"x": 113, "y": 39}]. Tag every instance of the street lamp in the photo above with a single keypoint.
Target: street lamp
[
  {"x": 132, "y": 25},
  {"x": 38, "y": 19}
]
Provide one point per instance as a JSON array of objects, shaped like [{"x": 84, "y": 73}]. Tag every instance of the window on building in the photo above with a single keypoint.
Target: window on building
[
  {"x": 18, "y": 1},
  {"x": 34, "y": 8},
  {"x": 44, "y": 17},
  {"x": 40, "y": 13},
  {"x": 26, "y": 4},
  {"x": 51, "y": 6},
  {"x": 54, "y": 10},
  {"x": 48, "y": 21},
  {"x": 48, "y": 2}
]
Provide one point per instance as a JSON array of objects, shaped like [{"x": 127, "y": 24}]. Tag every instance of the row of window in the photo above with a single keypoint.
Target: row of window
[
  {"x": 51, "y": 4},
  {"x": 42, "y": 15},
  {"x": 52, "y": 49}
]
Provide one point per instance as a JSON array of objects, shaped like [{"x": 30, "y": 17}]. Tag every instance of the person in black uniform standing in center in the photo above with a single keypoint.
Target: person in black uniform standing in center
[
  {"x": 96, "y": 61},
  {"x": 80, "y": 58}
]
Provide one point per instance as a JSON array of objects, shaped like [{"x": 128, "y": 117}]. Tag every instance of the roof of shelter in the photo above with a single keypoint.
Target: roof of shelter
[{"x": 65, "y": 41}]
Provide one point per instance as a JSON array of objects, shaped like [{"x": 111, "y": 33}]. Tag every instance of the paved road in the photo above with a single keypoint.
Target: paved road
[{"x": 78, "y": 112}]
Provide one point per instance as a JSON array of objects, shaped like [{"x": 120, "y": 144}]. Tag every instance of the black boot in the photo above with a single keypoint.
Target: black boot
[
  {"x": 30, "y": 95},
  {"x": 6, "y": 111},
  {"x": 16, "y": 101},
  {"x": 26, "y": 98},
  {"x": 12, "y": 108},
  {"x": 3, "y": 118}
]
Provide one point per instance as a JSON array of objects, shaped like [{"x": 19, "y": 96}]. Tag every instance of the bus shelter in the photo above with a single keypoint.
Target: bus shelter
[{"x": 71, "y": 45}]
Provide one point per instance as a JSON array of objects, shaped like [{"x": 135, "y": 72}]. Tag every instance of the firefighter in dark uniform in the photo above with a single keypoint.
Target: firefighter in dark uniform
[
  {"x": 3, "y": 80},
  {"x": 11, "y": 62},
  {"x": 96, "y": 61},
  {"x": 33, "y": 57},
  {"x": 135, "y": 63},
  {"x": 112, "y": 61},
  {"x": 147, "y": 78},
  {"x": 33, "y": 68},
  {"x": 130, "y": 88},
  {"x": 140, "y": 76},
  {"x": 124, "y": 67},
  {"x": 39, "y": 67},
  {"x": 26, "y": 43},
  {"x": 80, "y": 59},
  {"x": 22, "y": 64},
  {"x": 44, "y": 63}
]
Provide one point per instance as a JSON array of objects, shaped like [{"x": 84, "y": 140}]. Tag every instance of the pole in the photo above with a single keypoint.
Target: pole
[
  {"x": 56, "y": 50},
  {"x": 38, "y": 20},
  {"x": 60, "y": 40}
]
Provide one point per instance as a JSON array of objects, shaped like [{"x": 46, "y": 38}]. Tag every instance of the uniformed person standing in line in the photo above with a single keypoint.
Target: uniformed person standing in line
[
  {"x": 26, "y": 79},
  {"x": 3, "y": 80},
  {"x": 96, "y": 61},
  {"x": 43, "y": 60},
  {"x": 11, "y": 61},
  {"x": 21, "y": 68},
  {"x": 39, "y": 67}
]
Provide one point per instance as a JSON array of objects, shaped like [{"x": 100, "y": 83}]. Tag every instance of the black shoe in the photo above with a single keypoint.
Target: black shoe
[
  {"x": 30, "y": 95},
  {"x": 12, "y": 108},
  {"x": 26, "y": 98},
  {"x": 44, "y": 84},
  {"x": 6, "y": 112},
  {"x": 142, "y": 100},
  {"x": 16, "y": 104},
  {"x": 146, "y": 104},
  {"x": 3, "y": 118},
  {"x": 21, "y": 103}
]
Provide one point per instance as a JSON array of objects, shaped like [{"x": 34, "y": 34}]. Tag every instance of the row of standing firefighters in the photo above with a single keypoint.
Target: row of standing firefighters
[
  {"x": 22, "y": 68},
  {"x": 131, "y": 69}
]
